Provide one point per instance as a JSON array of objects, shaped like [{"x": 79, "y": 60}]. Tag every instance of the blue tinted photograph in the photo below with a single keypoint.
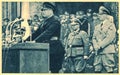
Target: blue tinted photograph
[{"x": 60, "y": 37}]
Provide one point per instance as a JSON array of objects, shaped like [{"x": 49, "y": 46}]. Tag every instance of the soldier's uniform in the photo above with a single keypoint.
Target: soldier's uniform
[
  {"x": 77, "y": 47},
  {"x": 79, "y": 43},
  {"x": 103, "y": 42}
]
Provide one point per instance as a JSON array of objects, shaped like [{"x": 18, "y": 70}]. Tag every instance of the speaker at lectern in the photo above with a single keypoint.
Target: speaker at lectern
[{"x": 26, "y": 58}]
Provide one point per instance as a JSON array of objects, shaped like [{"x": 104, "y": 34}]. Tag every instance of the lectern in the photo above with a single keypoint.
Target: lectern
[{"x": 26, "y": 58}]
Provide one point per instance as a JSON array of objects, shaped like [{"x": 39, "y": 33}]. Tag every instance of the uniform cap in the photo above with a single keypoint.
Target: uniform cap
[
  {"x": 103, "y": 10},
  {"x": 49, "y": 5},
  {"x": 89, "y": 10},
  {"x": 81, "y": 12},
  {"x": 95, "y": 14}
]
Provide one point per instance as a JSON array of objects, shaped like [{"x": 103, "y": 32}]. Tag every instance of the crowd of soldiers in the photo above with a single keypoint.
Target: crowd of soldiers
[
  {"x": 85, "y": 33},
  {"x": 87, "y": 22}
]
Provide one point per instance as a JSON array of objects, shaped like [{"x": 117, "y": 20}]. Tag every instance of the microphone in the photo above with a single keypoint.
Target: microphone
[
  {"x": 18, "y": 19},
  {"x": 21, "y": 19}
]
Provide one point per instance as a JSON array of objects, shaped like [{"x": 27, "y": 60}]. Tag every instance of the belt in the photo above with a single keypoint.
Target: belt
[
  {"x": 75, "y": 46},
  {"x": 54, "y": 38}
]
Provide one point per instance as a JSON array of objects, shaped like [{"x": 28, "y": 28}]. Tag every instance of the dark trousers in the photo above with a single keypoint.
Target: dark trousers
[{"x": 56, "y": 62}]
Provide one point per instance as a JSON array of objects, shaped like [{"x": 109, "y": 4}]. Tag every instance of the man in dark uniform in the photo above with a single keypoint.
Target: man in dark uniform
[
  {"x": 89, "y": 14},
  {"x": 49, "y": 32}
]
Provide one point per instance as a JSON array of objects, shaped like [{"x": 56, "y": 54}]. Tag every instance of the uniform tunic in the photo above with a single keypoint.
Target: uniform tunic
[
  {"x": 81, "y": 40},
  {"x": 49, "y": 32},
  {"x": 77, "y": 47},
  {"x": 104, "y": 35}
]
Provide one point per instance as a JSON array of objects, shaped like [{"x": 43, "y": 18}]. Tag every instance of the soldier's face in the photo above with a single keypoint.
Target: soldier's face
[
  {"x": 95, "y": 17},
  {"x": 81, "y": 15},
  {"x": 46, "y": 12},
  {"x": 72, "y": 16},
  {"x": 102, "y": 17},
  {"x": 89, "y": 14},
  {"x": 67, "y": 16},
  {"x": 78, "y": 16},
  {"x": 5, "y": 23},
  {"x": 75, "y": 27},
  {"x": 63, "y": 17},
  {"x": 35, "y": 18}
]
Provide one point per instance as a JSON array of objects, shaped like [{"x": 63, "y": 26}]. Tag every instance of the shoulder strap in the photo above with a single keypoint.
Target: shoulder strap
[{"x": 82, "y": 22}]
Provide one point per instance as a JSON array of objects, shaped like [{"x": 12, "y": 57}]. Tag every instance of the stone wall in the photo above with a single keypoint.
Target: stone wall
[
  {"x": 11, "y": 10},
  {"x": 35, "y": 8}
]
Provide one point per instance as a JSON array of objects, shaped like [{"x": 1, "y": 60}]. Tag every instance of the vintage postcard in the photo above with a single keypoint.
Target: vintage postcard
[{"x": 59, "y": 37}]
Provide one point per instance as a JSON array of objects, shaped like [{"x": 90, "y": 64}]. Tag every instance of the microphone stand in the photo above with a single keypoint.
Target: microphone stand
[
  {"x": 11, "y": 25},
  {"x": 30, "y": 33},
  {"x": 6, "y": 33}
]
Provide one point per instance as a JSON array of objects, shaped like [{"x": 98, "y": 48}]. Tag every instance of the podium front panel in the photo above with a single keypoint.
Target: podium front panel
[
  {"x": 34, "y": 61},
  {"x": 30, "y": 58}
]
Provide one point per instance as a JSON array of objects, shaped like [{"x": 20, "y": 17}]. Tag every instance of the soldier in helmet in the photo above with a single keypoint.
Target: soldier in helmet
[
  {"x": 103, "y": 42},
  {"x": 76, "y": 50}
]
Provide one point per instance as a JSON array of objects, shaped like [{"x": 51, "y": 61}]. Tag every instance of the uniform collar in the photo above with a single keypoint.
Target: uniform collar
[{"x": 50, "y": 18}]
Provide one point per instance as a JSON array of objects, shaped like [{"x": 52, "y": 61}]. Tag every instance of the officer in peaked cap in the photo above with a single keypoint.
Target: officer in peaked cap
[
  {"x": 103, "y": 42},
  {"x": 49, "y": 32},
  {"x": 103, "y": 10},
  {"x": 49, "y": 5}
]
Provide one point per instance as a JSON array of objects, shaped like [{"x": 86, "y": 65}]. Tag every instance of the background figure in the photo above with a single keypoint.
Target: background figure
[
  {"x": 63, "y": 27},
  {"x": 96, "y": 20},
  {"x": 67, "y": 27},
  {"x": 4, "y": 25},
  {"x": 103, "y": 42},
  {"x": 49, "y": 32},
  {"x": 89, "y": 14},
  {"x": 83, "y": 21},
  {"x": 65, "y": 30},
  {"x": 35, "y": 23}
]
